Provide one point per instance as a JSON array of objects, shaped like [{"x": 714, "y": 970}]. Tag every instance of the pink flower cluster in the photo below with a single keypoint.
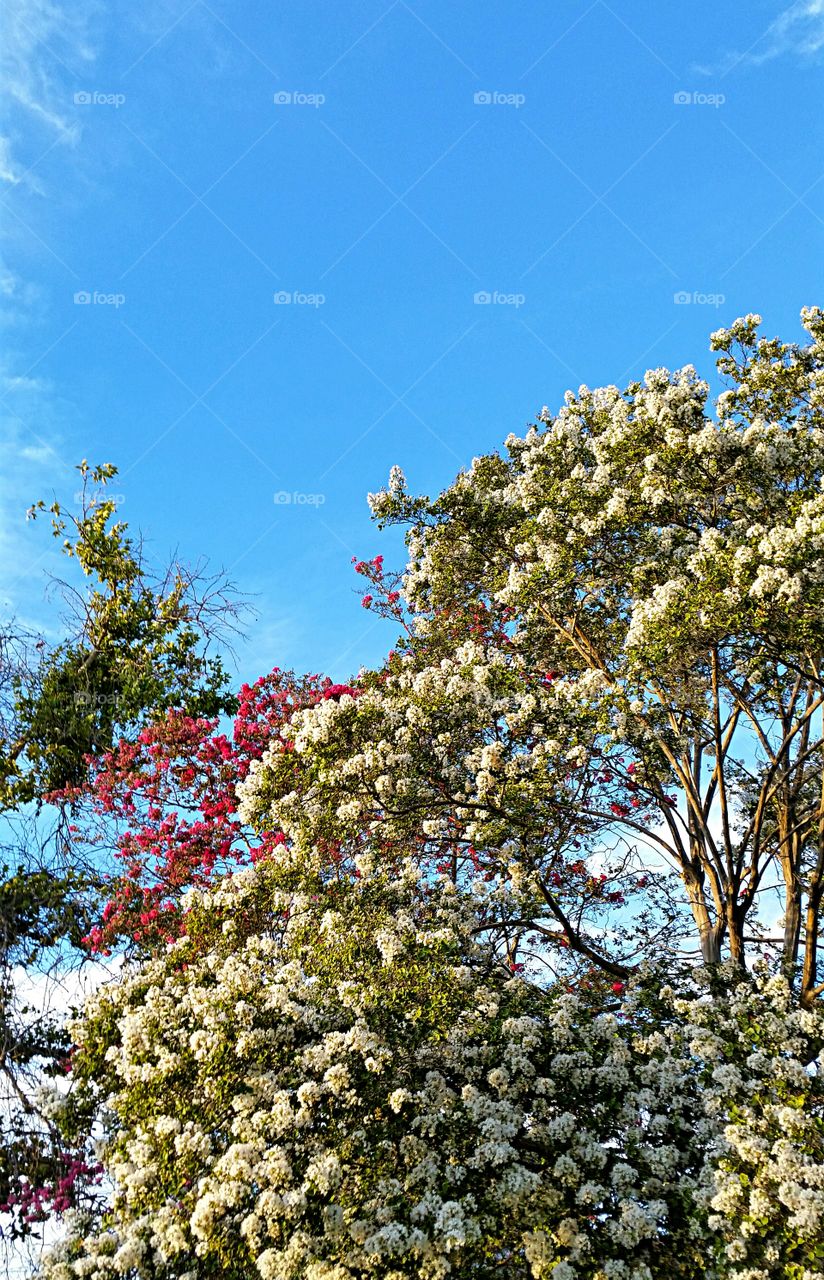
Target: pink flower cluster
[
  {"x": 34, "y": 1204},
  {"x": 171, "y": 794}
]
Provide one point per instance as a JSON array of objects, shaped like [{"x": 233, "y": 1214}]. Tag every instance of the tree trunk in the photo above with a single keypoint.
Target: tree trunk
[
  {"x": 789, "y": 846},
  {"x": 735, "y": 931},
  {"x": 815, "y": 893},
  {"x": 710, "y": 935}
]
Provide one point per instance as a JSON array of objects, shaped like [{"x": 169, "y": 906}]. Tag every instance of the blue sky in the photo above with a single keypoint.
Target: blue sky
[{"x": 581, "y": 165}]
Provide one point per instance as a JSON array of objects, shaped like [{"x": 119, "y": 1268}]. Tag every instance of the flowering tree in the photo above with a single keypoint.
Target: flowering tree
[
  {"x": 337, "y": 1081},
  {"x": 445, "y": 1023},
  {"x": 615, "y": 633}
]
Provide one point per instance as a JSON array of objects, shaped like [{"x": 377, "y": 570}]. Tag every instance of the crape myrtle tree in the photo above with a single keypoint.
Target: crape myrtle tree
[
  {"x": 165, "y": 807},
  {"x": 335, "y": 1078},
  {"x": 614, "y": 643},
  {"x": 133, "y": 645},
  {"x": 446, "y": 1024}
]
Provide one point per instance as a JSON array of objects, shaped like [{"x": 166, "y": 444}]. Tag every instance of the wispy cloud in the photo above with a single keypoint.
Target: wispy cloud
[
  {"x": 798, "y": 30},
  {"x": 46, "y": 47},
  {"x": 8, "y": 171},
  {"x": 31, "y": 469}
]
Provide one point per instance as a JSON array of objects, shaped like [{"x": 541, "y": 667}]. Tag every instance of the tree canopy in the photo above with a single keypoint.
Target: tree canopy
[
  {"x": 503, "y": 957},
  {"x": 614, "y": 640}
]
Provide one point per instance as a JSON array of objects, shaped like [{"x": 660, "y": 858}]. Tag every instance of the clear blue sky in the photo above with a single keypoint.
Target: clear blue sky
[{"x": 583, "y": 194}]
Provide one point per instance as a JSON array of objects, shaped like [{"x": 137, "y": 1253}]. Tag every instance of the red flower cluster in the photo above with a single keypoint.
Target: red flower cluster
[
  {"x": 34, "y": 1204},
  {"x": 172, "y": 796}
]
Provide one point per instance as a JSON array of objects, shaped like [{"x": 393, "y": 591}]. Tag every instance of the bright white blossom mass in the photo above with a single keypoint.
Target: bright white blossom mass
[{"x": 363, "y": 1108}]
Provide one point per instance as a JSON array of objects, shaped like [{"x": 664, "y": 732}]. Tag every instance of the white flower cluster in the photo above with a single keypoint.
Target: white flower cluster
[
  {"x": 381, "y": 502},
  {"x": 284, "y": 1107},
  {"x": 419, "y": 742},
  {"x": 687, "y": 515}
]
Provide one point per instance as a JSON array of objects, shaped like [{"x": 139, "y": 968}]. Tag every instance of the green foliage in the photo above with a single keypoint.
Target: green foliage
[
  {"x": 136, "y": 649},
  {"x": 39, "y": 909}
]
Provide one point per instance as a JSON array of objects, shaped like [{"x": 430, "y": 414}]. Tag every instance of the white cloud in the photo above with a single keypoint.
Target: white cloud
[
  {"x": 46, "y": 47},
  {"x": 798, "y": 30},
  {"x": 8, "y": 171}
]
